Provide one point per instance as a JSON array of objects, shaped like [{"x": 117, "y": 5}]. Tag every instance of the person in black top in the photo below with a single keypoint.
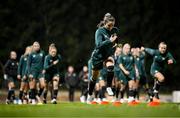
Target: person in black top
[
  {"x": 71, "y": 82},
  {"x": 10, "y": 74},
  {"x": 83, "y": 76}
]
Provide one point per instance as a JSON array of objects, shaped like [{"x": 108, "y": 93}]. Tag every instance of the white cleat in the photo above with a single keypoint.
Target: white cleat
[
  {"x": 109, "y": 91},
  {"x": 19, "y": 102},
  {"x": 130, "y": 99},
  {"x": 122, "y": 100},
  {"x": 89, "y": 99},
  {"x": 33, "y": 101},
  {"x": 15, "y": 101},
  {"x": 53, "y": 101},
  {"x": 83, "y": 99}
]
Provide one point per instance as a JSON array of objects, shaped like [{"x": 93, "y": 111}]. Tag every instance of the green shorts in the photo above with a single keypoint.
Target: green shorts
[
  {"x": 49, "y": 77},
  {"x": 126, "y": 78},
  {"x": 37, "y": 75}
]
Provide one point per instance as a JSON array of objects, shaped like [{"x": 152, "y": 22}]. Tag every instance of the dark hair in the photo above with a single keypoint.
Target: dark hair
[{"x": 107, "y": 17}]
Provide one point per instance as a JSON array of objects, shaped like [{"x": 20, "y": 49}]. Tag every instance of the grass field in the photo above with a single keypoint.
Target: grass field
[{"x": 76, "y": 110}]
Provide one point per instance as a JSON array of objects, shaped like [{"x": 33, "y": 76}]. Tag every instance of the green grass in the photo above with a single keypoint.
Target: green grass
[{"x": 77, "y": 110}]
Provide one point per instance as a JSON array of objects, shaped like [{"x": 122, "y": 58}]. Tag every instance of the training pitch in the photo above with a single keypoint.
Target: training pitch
[{"x": 76, "y": 110}]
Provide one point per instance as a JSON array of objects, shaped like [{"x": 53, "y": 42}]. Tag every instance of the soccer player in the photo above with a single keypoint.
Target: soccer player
[
  {"x": 104, "y": 47},
  {"x": 118, "y": 83},
  {"x": 161, "y": 57},
  {"x": 10, "y": 70},
  {"x": 52, "y": 74},
  {"x": 22, "y": 75},
  {"x": 35, "y": 70},
  {"x": 127, "y": 66}
]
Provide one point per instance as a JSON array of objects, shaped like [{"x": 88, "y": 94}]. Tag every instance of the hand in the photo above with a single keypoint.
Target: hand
[
  {"x": 44, "y": 71},
  {"x": 55, "y": 62},
  {"x": 126, "y": 72},
  {"x": 113, "y": 38},
  {"x": 5, "y": 77},
  {"x": 142, "y": 48},
  {"x": 170, "y": 61},
  {"x": 30, "y": 76},
  {"x": 19, "y": 77},
  {"x": 24, "y": 77}
]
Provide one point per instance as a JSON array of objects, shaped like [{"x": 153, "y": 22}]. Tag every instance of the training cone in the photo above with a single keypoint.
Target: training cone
[
  {"x": 133, "y": 103},
  {"x": 117, "y": 103},
  {"x": 104, "y": 102}
]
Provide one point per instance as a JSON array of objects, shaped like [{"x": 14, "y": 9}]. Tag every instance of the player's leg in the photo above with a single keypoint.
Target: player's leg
[
  {"x": 110, "y": 75},
  {"x": 11, "y": 93},
  {"x": 55, "y": 88},
  {"x": 131, "y": 84},
  {"x": 32, "y": 86},
  {"x": 96, "y": 91},
  {"x": 160, "y": 79},
  {"x": 21, "y": 91}
]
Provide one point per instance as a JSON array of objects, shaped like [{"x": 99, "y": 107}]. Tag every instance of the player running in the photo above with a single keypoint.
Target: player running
[
  {"x": 161, "y": 57},
  {"x": 104, "y": 47}
]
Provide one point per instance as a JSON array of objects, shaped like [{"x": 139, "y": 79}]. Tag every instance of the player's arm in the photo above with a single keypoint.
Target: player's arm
[
  {"x": 149, "y": 51},
  {"x": 99, "y": 40},
  {"x": 171, "y": 59},
  {"x": 20, "y": 68}
]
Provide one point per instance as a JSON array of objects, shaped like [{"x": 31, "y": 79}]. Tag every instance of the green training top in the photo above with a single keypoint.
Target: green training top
[
  {"x": 36, "y": 61},
  {"x": 159, "y": 60},
  {"x": 22, "y": 65},
  {"x": 48, "y": 63}
]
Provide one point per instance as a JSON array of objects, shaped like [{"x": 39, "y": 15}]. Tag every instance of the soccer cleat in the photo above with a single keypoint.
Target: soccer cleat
[
  {"x": 104, "y": 101},
  {"x": 33, "y": 102},
  {"x": 8, "y": 101},
  {"x": 83, "y": 99},
  {"x": 19, "y": 101},
  {"x": 89, "y": 99},
  {"x": 130, "y": 99},
  {"x": 53, "y": 101},
  {"x": 122, "y": 100},
  {"x": 109, "y": 91},
  {"x": 15, "y": 101}
]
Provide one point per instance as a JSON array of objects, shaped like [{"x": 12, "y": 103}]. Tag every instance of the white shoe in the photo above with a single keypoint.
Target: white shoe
[
  {"x": 114, "y": 100},
  {"x": 19, "y": 102},
  {"x": 109, "y": 91},
  {"x": 98, "y": 101},
  {"x": 33, "y": 101},
  {"x": 122, "y": 100},
  {"x": 53, "y": 101},
  {"x": 15, "y": 102},
  {"x": 105, "y": 100},
  {"x": 89, "y": 99},
  {"x": 82, "y": 99},
  {"x": 130, "y": 99}
]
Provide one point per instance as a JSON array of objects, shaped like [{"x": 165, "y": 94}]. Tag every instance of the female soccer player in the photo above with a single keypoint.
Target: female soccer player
[
  {"x": 52, "y": 74},
  {"x": 127, "y": 66},
  {"x": 35, "y": 69},
  {"x": 160, "y": 57},
  {"x": 10, "y": 69},
  {"x": 104, "y": 42},
  {"x": 22, "y": 75}
]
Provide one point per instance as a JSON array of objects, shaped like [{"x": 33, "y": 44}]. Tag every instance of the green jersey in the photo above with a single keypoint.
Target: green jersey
[
  {"x": 159, "y": 60},
  {"x": 103, "y": 47},
  {"x": 49, "y": 66},
  {"x": 127, "y": 61},
  {"x": 22, "y": 67},
  {"x": 139, "y": 62},
  {"x": 36, "y": 62}
]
